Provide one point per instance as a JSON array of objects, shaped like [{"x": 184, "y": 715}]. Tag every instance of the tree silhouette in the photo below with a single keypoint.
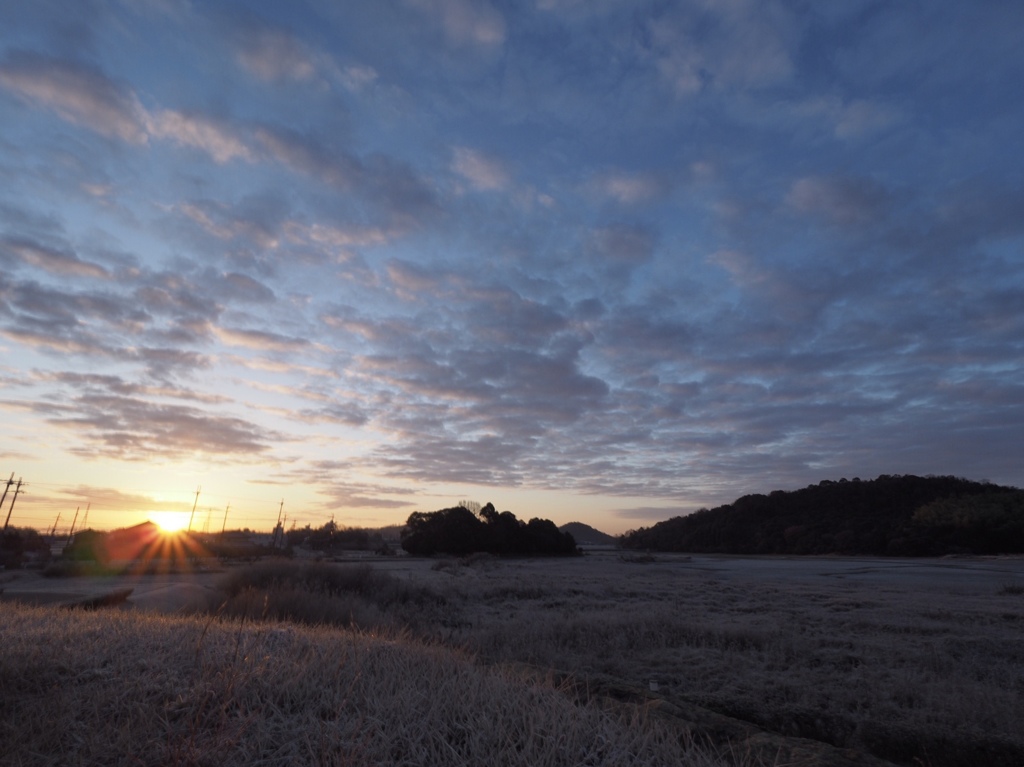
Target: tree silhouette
[{"x": 458, "y": 531}]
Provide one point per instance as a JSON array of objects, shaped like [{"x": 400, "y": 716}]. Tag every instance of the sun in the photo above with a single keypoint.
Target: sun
[{"x": 170, "y": 521}]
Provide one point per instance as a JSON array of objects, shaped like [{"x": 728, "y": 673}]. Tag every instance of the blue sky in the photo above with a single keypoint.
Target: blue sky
[{"x": 608, "y": 261}]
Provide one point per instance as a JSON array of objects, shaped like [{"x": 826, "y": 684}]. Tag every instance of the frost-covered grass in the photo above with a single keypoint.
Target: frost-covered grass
[
  {"x": 129, "y": 688},
  {"x": 912, "y": 674},
  {"x": 908, "y": 671}
]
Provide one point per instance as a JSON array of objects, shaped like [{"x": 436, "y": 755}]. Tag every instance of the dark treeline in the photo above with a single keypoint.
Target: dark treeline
[
  {"x": 20, "y": 544},
  {"x": 892, "y": 515},
  {"x": 332, "y": 537},
  {"x": 458, "y": 531}
]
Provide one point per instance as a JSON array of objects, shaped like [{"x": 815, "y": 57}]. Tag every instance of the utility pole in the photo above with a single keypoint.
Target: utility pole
[
  {"x": 53, "y": 530},
  {"x": 4, "y": 496},
  {"x": 225, "y": 525},
  {"x": 85, "y": 519},
  {"x": 72, "y": 533},
  {"x": 194, "y": 508},
  {"x": 278, "y": 527},
  {"x": 16, "y": 491}
]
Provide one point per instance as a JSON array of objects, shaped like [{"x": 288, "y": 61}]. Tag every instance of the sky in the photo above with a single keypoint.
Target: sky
[{"x": 596, "y": 260}]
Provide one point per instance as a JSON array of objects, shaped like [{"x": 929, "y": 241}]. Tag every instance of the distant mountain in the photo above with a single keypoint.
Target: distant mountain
[
  {"x": 891, "y": 515},
  {"x": 585, "y": 535}
]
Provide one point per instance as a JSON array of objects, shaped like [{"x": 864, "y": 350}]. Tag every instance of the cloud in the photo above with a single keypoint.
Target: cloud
[
  {"x": 861, "y": 118},
  {"x": 241, "y": 287},
  {"x": 217, "y": 139},
  {"x": 340, "y": 494},
  {"x": 651, "y": 513},
  {"x": 357, "y": 77},
  {"x": 629, "y": 188},
  {"x": 488, "y": 460},
  {"x": 51, "y": 260},
  {"x": 417, "y": 282},
  {"x": 229, "y": 222},
  {"x": 755, "y": 49},
  {"x": 639, "y": 339},
  {"x": 345, "y": 414},
  {"x": 478, "y": 394},
  {"x": 845, "y": 201},
  {"x": 111, "y": 420},
  {"x": 343, "y": 496},
  {"x": 622, "y": 244},
  {"x": 260, "y": 340},
  {"x": 110, "y": 499},
  {"x": 40, "y": 315},
  {"x": 484, "y": 173},
  {"x": 86, "y": 97},
  {"x": 391, "y": 186},
  {"x": 683, "y": 69},
  {"x": 401, "y": 193},
  {"x": 278, "y": 366},
  {"x": 273, "y": 54},
  {"x": 138, "y": 319},
  {"x": 736, "y": 45},
  {"x": 466, "y": 22},
  {"x": 336, "y": 237},
  {"x": 309, "y": 156},
  {"x": 79, "y": 94},
  {"x": 122, "y": 386},
  {"x": 848, "y": 119}
]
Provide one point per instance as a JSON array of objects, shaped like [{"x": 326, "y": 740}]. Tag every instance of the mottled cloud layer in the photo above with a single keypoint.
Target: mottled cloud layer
[{"x": 649, "y": 256}]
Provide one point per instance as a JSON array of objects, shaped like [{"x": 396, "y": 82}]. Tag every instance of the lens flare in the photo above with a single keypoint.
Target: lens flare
[{"x": 170, "y": 521}]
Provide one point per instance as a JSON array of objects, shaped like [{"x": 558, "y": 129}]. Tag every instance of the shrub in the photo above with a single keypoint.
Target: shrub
[{"x": 318, "y": 593}]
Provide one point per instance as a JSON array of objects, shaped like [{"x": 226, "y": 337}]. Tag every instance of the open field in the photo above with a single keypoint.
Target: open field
[
  {"x": 906, "y": 659},
  {"x": 913, "y": 661}
]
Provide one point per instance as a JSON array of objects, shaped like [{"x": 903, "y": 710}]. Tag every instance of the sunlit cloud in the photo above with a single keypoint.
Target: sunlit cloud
[
  {"x": 219, "y": 141},
  {"x": 51, "y": 260},
  {"x": 482, "y": 172},
  {"x": 335, "y": 237},
  {"x": 259, "y": 340},
  {"x": 79, "y": 94}
]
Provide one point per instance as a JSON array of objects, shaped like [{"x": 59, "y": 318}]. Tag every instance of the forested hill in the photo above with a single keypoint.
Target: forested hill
[
  {"x": 891, "y": 515},
  {"x": 585, "y": 535}
]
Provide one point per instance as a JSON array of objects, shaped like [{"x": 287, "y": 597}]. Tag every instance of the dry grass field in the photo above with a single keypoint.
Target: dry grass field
[
  {"x": 129, "y": 688},
  {"x": 927, "y": 671},
  {"x": 512, "y": 661}
]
